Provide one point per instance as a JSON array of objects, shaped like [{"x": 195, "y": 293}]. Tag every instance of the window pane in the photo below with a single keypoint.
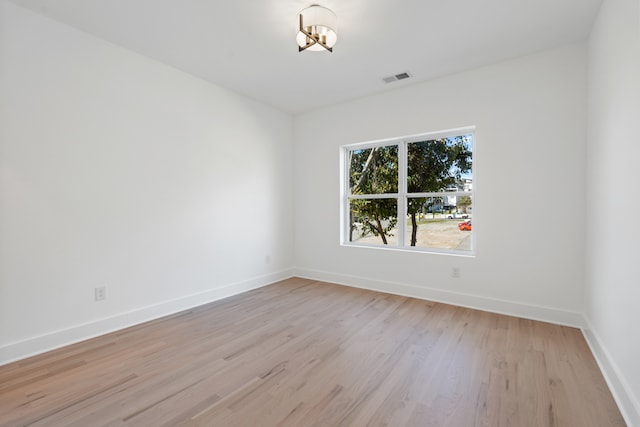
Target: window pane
[
  {"x": 373, "y": 170},
  {"x": 373, "y": 221},
  {"x": 439, "y": 164},
  {"x": 442, "y": 222}
]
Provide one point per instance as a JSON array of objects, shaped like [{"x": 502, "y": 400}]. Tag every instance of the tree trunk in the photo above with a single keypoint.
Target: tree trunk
[
  {"x": 414, "y": 229},
  {"x": 365, "y": 169},
  {"x": 381, "y": 231}
]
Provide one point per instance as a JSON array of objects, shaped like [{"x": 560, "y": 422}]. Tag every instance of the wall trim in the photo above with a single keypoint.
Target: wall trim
[
  {"x": 494, "y": 305},
  {"x": 40, "y": 344},
  {"x": 628, "y": 404}
]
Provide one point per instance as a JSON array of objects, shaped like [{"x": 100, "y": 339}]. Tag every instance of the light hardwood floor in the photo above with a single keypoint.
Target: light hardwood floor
[{"x": 305, "y": 353}]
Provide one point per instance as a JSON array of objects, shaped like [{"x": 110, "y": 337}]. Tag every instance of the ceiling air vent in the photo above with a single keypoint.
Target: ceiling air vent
[{"x": 396, "y": 77}]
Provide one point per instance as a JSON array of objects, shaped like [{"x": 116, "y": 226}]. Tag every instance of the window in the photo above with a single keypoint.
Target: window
[{"x": 412, "y": 193}]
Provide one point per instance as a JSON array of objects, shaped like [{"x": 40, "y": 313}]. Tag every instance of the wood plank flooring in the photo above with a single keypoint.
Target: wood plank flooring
[{"x": 305, "y": 353}]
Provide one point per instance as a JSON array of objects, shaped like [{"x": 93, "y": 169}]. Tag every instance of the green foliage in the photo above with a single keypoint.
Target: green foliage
[
  {"x": 464, "y": 202},
  {"x": 374, "y": 170},
  {"x": 435, "y": 165},
  {"x": 377, "y": 216}
]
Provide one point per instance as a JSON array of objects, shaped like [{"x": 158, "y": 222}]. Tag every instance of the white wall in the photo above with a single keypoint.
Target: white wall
[
  {"x": 119, "y": 171},
  {"x": 613, "y": 267},
  {"x": 530, "y": 115}
]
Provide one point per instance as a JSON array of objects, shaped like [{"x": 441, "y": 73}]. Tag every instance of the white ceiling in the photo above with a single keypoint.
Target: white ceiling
[{"x": 249, "y": 45}]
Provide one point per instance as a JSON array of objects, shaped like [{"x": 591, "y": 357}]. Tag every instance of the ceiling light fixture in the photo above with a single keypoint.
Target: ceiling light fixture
[{"x": 317, "y": 29}]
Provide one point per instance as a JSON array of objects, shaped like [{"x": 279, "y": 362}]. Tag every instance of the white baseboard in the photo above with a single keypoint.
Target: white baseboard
[
  {"x": 50, "y": 341},
  {"x": 494, "y": 305},
  {"x": 628, "y": 404}
]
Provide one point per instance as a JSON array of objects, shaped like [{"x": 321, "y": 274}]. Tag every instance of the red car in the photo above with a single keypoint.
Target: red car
[{"x": 465, "y": 226}]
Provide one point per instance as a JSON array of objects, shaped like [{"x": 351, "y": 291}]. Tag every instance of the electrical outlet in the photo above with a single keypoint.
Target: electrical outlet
[
  {"x": 100, "y": 293},
  {"x": 455, "y": 272},
  {"x": 267, "y": 259}
]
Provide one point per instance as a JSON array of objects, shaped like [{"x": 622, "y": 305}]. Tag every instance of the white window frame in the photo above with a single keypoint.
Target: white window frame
[{"x": 401, "y": 196}]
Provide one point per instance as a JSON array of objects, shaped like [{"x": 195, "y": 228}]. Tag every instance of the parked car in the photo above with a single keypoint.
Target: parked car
[
  {"x": 465, "y": 226},
  {"x": 457, "y": 215}
]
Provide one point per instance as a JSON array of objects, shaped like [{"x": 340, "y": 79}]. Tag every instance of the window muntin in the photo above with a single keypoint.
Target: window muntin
[{"x": 411, "y": 193}]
